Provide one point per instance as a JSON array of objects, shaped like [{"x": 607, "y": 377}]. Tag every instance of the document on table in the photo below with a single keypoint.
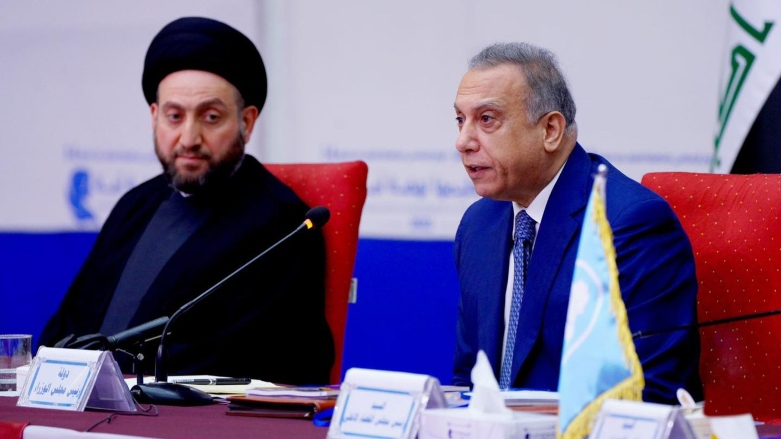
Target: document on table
[{"x": 212, "y": 389}]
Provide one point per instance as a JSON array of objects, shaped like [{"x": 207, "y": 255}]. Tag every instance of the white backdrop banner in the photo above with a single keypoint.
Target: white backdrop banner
[{"x": 348, "y": 80}]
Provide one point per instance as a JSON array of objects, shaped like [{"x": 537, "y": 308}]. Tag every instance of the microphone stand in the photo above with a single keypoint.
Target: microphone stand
[
  {"x": 165, "y": 393},
  {"x": 161, "y": 375},
  {"x": 643, "y": 334},
  {"x": 138, "y": 366}
]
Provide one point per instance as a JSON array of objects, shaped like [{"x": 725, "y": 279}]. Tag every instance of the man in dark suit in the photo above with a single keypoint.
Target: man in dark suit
[
  {"x": 212, "y": 210},
  {"x": 518, "y": 143}
]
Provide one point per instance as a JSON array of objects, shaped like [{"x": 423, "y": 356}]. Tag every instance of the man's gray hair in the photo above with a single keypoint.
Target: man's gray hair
[{"x": 548, "y": 90}]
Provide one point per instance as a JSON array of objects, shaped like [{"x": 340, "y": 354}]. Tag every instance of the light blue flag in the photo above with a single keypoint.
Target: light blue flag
[{"x": 598, "y": 360}]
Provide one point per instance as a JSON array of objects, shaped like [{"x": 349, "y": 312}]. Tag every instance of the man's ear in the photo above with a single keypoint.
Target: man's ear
[
  {"x": 153, "y": 110},
  {"x": 553, "y": 124},
  {"x": 249, "y": 115}
]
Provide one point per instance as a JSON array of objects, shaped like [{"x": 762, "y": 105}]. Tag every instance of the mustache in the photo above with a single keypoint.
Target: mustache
[{"x": 197, "y": 152}]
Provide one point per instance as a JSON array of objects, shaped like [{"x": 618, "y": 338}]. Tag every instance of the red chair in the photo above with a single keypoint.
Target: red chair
[
  {"x": 341, "y": 187},
  {"x": 734, "y": 224}
]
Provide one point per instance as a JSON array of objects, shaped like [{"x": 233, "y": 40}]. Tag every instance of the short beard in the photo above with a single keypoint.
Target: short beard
[{"x": 217, "y": 172}]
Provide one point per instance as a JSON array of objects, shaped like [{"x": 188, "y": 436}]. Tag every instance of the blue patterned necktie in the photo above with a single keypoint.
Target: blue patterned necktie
[{"x": 522, "y": 249}]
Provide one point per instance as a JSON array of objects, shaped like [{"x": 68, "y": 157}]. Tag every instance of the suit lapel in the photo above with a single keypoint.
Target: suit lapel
[
  {"x": 555, "y": 235},
  {"x": 498, "y": 245}
]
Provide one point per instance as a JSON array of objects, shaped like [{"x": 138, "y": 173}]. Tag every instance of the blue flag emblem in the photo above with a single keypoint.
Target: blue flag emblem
[{"x": 598, "y": 359}]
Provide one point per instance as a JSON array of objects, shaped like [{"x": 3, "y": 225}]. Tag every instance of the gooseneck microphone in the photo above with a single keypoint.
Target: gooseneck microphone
[
  {"x": 643, "y": 334},
  {"x": 135, "y": 334},
  {"x": 122, "y": 339},
  {"x": 165, "y": 393}
]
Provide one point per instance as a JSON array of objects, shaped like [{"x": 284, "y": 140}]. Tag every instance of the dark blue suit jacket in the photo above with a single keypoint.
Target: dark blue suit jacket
[{"x": 656, "y": 276}]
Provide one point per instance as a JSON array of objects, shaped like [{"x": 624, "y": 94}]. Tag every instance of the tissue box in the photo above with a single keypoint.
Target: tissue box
[{"x": 464, "y": 424}]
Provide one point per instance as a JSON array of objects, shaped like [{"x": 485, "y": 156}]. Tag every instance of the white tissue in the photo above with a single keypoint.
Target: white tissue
[{"x": 486, "y": 397}]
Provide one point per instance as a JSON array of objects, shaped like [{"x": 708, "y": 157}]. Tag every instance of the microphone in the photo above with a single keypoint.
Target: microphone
[
  {"x": 165, "y": 393},
  {"x": 643, "y": 334},
  {"x": 113, "y": 342},
  {"x": 135, "y": 334},
  {"x": 316, "y": 217}
]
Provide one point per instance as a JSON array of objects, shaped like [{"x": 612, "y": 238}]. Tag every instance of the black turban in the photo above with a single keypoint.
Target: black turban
[{"x": 195, "y": 43}]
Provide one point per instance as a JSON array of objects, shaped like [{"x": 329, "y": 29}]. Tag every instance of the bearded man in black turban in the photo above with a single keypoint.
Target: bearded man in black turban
[{"x": 212, "y": 209}]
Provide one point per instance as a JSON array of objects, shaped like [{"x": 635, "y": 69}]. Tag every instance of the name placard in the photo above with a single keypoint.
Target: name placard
[
  {"x": 72, "y": 379},
  {"x": 383, "y": 404},
  {"x": 640, "y": 420}
]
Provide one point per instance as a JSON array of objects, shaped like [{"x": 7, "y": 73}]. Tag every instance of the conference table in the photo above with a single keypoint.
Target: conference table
[{"x": 171, "y": 422}]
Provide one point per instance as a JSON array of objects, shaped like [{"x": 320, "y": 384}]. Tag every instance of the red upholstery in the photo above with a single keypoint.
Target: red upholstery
[
  {"x": 12, "y": 430},
  {"x": 341, "y": 187},
  {"x": 734, "y": 223}
]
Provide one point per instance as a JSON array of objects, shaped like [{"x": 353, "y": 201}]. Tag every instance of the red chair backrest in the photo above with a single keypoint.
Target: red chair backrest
[
  {"x": 734, "y": 224},
  {"x": 341, "y": 187}
]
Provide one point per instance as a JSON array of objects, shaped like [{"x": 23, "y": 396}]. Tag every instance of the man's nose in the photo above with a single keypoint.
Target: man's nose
[
  {"x": 466, "y": 140},
  {"x": 191, "y": 134}
]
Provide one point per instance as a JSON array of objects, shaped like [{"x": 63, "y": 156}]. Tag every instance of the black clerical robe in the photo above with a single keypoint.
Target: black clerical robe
[{"x": 267, "y": 322}]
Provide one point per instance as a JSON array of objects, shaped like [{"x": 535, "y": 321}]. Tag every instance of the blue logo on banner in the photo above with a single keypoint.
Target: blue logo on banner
[{"x": 79, "y": 192}]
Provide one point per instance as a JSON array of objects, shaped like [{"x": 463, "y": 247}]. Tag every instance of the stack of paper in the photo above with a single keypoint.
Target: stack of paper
[
  {"x": 305, "y": 391},
  {"x": 283, "y": 401}
]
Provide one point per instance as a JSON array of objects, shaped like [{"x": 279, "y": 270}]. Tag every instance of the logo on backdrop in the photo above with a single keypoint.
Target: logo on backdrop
[
  {"x": 98, "y": 176},
  {"x": 78, "y": 195}
]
